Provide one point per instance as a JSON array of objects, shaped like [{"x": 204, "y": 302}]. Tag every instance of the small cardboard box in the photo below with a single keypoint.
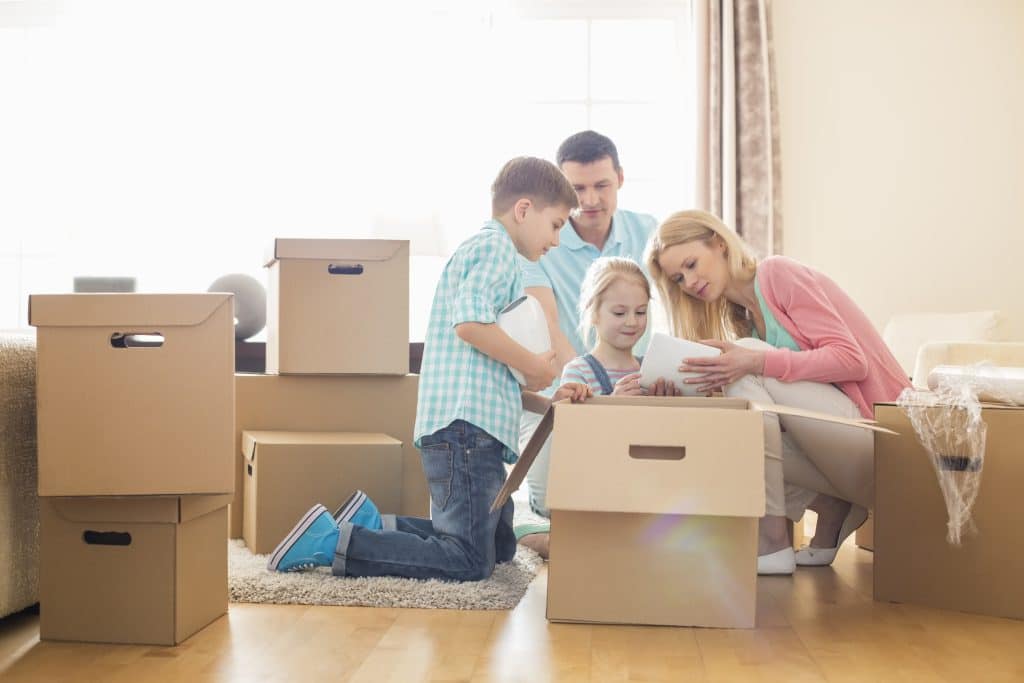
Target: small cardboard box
[
  {"x": 913, "y": 561},
  {"x": 345, "y": 403},
  {"x": 338, "y": 307},
  {"x": 288, "y": 472},
  {"x": 135, "y": 393},
  {"x": 145, "y": 569},
  {"x": 654, "y": 508}
]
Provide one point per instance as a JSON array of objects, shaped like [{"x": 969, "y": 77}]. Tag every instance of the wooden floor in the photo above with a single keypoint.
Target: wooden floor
[{"x": 820, "y": 625}]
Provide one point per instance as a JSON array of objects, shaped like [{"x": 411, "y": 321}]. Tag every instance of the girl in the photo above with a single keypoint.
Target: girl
[{"x": 813, "y": 348}]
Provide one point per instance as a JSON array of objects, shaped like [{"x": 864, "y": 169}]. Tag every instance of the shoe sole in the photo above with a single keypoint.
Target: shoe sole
[
  {"x": 284, "y": 546},
  {"x": 349, "y": 508}
]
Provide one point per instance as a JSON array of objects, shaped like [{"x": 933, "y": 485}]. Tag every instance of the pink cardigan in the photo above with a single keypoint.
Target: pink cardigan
[{"x": 839, "y": 344}]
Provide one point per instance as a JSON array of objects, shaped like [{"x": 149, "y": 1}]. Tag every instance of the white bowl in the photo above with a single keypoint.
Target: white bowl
[
  {"x": 665, "y": 355},
  {"x": 525, "y": 322}
]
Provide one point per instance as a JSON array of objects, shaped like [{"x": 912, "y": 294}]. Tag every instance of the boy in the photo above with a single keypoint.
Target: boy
[{"x": 469, "y": 408}]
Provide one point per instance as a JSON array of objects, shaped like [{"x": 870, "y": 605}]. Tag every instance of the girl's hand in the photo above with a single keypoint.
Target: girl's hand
[
  {"x": 629, "y": 386},
  {"x": 574, "y": 391},
  {"x": 733, "y": 363},
  {"x": 664, "y": 387},
  {"x": 541, "y": 372}
]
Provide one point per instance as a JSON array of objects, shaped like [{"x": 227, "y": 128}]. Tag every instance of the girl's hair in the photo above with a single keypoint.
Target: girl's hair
[
  {"x": 689, "y": 317},
  {"x": 599, "y": 277}
]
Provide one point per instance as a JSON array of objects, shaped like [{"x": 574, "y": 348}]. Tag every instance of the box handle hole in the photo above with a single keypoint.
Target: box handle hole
[
  {"x": 345, "y": 269},
  {"x": 642, "y": 452},
  {"x": 107, "y": 538},
  {"x": 136, "y": 340}
]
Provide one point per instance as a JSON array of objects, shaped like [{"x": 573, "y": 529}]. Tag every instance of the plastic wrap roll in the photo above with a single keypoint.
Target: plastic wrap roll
[{"x": 990, "y": 383}]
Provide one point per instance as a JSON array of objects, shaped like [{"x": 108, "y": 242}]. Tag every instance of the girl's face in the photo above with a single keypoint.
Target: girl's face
[
  {"x": 621, "y": 315},
  {"x": 698, "y": 267}
]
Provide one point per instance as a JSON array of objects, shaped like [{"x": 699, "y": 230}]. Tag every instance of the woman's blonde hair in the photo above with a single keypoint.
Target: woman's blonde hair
[
  {"x": 690, "y": 317},
  {"x": 599, "y": 277}
]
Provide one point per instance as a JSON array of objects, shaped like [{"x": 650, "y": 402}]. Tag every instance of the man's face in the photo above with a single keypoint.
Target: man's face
[{"x": 597, "y": 184}]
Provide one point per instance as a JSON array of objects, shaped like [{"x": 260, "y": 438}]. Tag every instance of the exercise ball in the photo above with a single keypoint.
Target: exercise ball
[{"x": 250, "y": 302}]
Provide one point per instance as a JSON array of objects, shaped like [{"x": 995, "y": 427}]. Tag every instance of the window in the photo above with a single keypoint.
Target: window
[{"x": 172, "y": 142}]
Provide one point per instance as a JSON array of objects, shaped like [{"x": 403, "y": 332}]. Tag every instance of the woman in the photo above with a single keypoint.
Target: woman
[{"x": 812, "y": 348}]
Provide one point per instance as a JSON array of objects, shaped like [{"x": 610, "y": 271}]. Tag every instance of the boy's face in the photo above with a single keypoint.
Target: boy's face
[
  {"x": 538, "y": 228},
  {"x": 597, "y": 185}
]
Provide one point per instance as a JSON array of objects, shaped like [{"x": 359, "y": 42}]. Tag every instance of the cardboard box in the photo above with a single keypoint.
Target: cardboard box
[
  {"x": 654, "y": 508},
  {"x": 383, "y": 404},
  {"x": 135, "y": 393},
  {"x": 865, "y": 536},
  {"x": 146, "y": 569},
  {"x": 286, "y": 473},
  {"x": 913, "y": 561},
  {"x": 338, "y": 307}
]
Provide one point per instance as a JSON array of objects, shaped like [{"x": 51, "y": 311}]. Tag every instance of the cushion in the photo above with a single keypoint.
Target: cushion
[{"x": 906, "y": 333}]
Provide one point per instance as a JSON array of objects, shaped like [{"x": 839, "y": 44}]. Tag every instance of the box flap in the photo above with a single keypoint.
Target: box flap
[
  {"x": 123, "y": 509},
  {"x": 129, "y": 312},
  {"x": 334, "y": 249},
  {"x": 526, "y": 458},
  {"x": 191, "y": 507},
  {"x": 252, "y": 439}
]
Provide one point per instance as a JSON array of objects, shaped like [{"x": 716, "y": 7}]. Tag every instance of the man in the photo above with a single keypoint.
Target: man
[{"x": 591, "y": 163}]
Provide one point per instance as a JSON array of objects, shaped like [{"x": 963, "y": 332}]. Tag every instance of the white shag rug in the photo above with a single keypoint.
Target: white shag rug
[{"x": 249, "y": 580}]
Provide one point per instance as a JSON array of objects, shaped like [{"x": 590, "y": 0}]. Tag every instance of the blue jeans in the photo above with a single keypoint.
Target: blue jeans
[{"x": 462, "y": 540}]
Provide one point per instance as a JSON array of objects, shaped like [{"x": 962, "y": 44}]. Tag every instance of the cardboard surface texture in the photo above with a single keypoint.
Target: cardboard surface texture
[
  {"x": 913, "y": 562},
  {"x": 286, "y": 473},
  {"x": 337, "y": 306},
  {"x": 146, "y": 570},
  {"x": 655, "y": 504},
  {"x": 383, "y": 404},
  {"x": 135, "y": 393}
]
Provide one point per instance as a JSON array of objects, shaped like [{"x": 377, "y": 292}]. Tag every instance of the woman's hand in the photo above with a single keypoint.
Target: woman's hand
[
  {"x": 574, "y": 391},
  {"x": 715, "y": 372},
  {"x": 629, "y": 386}
]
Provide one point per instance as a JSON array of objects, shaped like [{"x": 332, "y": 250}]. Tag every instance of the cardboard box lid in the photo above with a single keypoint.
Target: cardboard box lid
[
  {"x": 333, "y": 249},
  {"x": 546, "y": 425},
  {"x": 139, "y": 312},
  {"x": 253, "y": 439},
  {"x": 138, "y": 509}
]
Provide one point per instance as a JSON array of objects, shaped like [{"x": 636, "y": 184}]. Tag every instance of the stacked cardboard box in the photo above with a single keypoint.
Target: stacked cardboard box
[
  {"x": 135, "y": 403},
  {"x": 336, "y": 411}
]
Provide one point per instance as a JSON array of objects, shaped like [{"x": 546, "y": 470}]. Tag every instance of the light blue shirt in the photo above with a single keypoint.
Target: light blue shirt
[
  {"x": 457, "y": 381},
  {"x": 562, "y": 270},
  {"x": 774, "y": 333}
]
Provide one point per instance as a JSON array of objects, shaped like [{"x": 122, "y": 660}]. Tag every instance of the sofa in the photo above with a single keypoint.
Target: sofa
[{"x": 19, "y": 503}]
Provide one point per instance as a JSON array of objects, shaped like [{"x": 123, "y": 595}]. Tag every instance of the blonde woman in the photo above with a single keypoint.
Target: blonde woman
[{"x": 788, "y": 335}]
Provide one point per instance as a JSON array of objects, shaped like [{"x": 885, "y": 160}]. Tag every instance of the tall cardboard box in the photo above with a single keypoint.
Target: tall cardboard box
[
  {"x": 135, "y": 393},
  {"x": 654, "y": 504},
  {"x": 147, "y": 569},
  {"x": 349, "y": 403},
  {"x": 286, "y": 473},
  {"x": 913, "y": 561},
  {"x": 338, "y": 306}
]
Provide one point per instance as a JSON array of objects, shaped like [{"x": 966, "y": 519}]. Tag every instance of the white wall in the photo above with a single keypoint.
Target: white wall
[{"x": 902, "y": 128}]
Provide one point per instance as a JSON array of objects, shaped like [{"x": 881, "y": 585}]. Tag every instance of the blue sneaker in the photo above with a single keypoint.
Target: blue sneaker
[
  {"x": 359, "y": 510},
  {"x": 310, "y": 544}
]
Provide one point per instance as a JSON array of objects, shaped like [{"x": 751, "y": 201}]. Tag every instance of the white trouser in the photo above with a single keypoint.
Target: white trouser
[
  {"x": 537, "y": 475},
  {"x": 810, "y": 456}
]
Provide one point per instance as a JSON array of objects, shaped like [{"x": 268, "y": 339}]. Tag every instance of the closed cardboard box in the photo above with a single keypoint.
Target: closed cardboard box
[
  {"x": 382, "y": 404},
  {"x": 338, "y": 307},
  {"x": 135, "y": 393},
  {"x": 286, "y": 473},
  {"x": 147, "y": 569},
  {"x": 913, "y": 561}
]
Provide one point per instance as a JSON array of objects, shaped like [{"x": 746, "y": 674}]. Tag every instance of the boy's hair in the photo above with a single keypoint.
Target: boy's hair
[
  {"x": 538, "y": 180},
  {"x": 599, "y": 277},
  {"x": 587, "y": 147}
]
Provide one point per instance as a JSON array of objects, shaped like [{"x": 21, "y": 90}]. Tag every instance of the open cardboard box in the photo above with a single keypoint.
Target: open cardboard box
[{"x": 654, "y": 505}]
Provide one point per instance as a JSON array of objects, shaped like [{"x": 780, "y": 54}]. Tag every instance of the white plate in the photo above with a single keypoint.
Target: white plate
[{"x": 665, "y": 355}]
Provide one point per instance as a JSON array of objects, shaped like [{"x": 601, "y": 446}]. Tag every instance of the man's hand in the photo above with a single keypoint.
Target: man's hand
[
  {"x": 574, "y": 391},
  {"x": 733, "y": 363}
]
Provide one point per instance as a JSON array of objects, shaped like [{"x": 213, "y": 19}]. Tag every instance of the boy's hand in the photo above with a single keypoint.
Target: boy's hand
[
  {"x": 574, "y": 391},
  {"x": 629, "y": 386},
  {"x": 541, "y": 372}
]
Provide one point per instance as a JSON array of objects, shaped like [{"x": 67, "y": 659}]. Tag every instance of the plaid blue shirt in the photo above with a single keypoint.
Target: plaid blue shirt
[{"x": 458, "y": 382}]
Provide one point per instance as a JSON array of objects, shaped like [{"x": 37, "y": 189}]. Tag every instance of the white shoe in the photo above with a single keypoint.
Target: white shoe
[
  {"x": 822, "y": 557},
  {"x": 780, "y": 563}
]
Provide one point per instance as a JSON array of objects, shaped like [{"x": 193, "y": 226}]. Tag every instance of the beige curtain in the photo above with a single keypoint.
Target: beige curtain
[{"x": 738, "y": 163}]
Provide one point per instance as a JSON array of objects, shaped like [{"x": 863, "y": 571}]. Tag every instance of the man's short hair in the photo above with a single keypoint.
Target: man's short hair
[
  {"x": 536, "y": 179},
  {"x": 587, "y": 147}
]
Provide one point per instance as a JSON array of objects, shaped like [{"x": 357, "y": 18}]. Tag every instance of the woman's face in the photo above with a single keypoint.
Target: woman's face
[{"x": 698, "y": 267}]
